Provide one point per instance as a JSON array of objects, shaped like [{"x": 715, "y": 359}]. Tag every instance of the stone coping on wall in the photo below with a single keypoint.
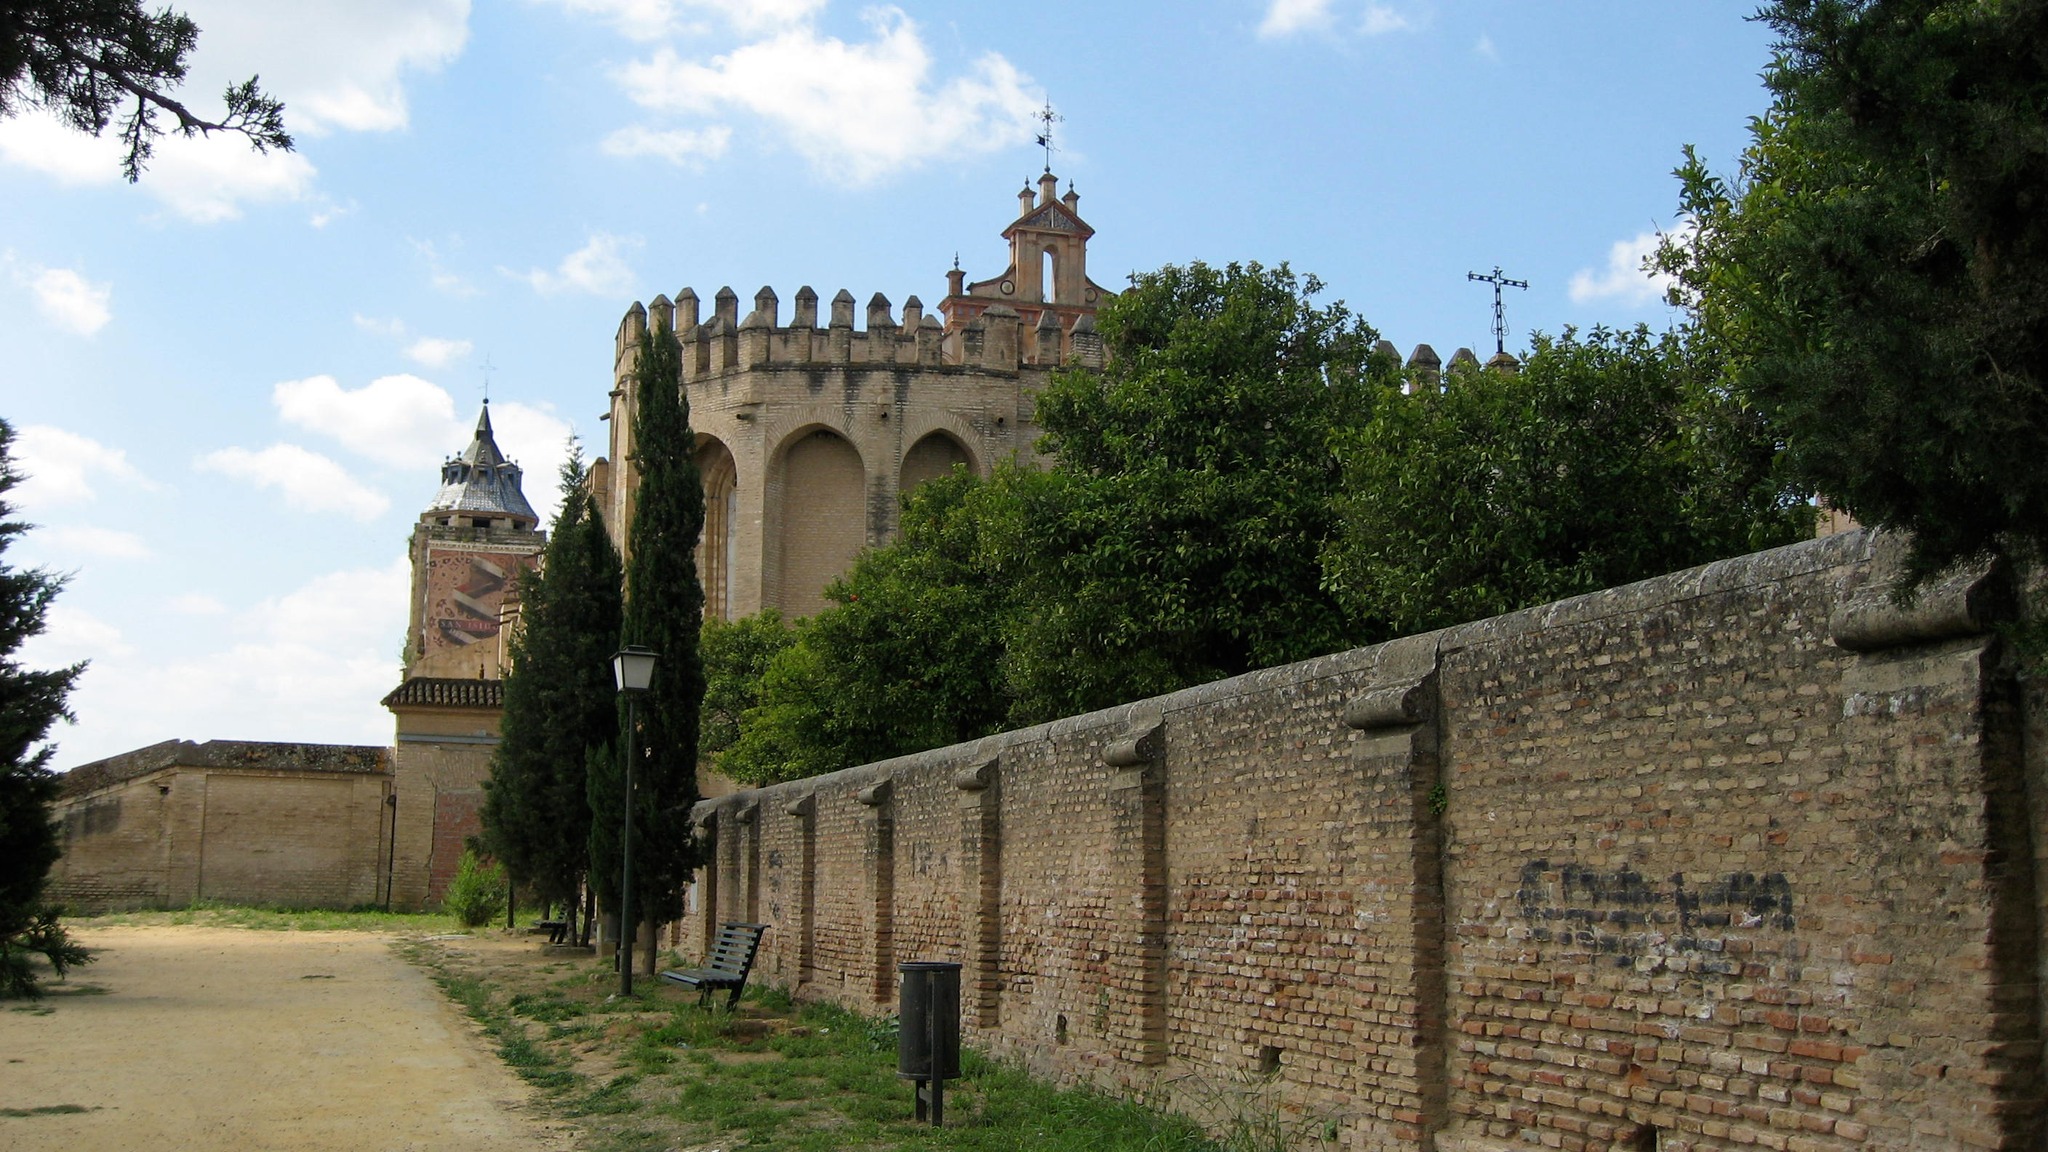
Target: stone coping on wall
[{"x": 259, "y": 755}]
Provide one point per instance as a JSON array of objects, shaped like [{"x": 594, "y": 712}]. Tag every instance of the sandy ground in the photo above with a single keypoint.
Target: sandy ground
[{"x": 231, "y": 1040}]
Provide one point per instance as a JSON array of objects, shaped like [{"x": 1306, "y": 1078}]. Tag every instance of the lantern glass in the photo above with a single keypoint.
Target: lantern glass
[{"x": 633, "y": 668}]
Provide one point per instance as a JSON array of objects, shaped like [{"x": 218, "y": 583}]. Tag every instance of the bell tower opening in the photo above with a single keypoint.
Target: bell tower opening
[{"x": 1048, "y": 277}]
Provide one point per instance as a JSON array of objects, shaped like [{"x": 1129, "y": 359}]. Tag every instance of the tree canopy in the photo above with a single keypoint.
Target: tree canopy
[
  {"x": 88, "y": 60},
  {"x": 907, "y": 656},
  {"x": 31, "y": 701},
  {"x": 1877, "y": 271},
  {"x": 1604, "y": 459},
  {"x": 1177, "y": 537}
]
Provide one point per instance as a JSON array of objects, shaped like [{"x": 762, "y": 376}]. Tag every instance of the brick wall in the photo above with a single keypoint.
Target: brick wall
[{"x": 1740, "y": 857}]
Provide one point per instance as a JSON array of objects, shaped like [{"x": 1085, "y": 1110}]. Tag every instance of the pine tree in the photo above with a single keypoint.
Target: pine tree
[
  {"x": 558, "y": 699},
  {"x": 664, "y": 611},
  {"x": 30, "y": 702}
]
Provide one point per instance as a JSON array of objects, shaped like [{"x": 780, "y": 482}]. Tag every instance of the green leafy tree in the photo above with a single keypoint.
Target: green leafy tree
[
  {"x": 91, "y": 60},
  {"x": 30, "y": 702},
  {"x": 908, "y": 655},
  {"x": 664, "y": 611},
  {"x": 1603, "y": 460},
  {"x": 1177, "y": 537},
  {"x": 736, "y": 656},
  {"x": 1878, "y": 269},
  {"x": 559, "y": 699}
]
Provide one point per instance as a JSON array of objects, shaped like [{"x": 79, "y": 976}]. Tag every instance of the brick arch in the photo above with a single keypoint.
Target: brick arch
[
  {"x": 719, "y": 472},
  {"x": 816, "y": 506},
  {"x": 972, "y": 444},
  {"x": 933, "y": 455}
]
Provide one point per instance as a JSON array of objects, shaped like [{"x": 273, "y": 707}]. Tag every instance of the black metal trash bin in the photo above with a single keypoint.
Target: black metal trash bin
[{"x": 928, "y": 1042}]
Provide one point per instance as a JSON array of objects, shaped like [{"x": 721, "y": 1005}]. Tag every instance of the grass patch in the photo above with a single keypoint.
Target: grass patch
[
  {"x": 46, "y": 1110},
  {"x": 655, "y": 1071},
  {"x": 207, "y": 914}
]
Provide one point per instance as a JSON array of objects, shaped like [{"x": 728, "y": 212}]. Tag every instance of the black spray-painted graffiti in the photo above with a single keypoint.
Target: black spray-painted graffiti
[{"x": 1625, "y": 913}]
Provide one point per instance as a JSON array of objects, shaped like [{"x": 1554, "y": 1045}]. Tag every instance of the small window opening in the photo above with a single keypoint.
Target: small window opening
[
  {"x": 1648, "y": 1138},
  {"x": 1059, "y": 1030},
  {"x": 1269, "y": 1060}
]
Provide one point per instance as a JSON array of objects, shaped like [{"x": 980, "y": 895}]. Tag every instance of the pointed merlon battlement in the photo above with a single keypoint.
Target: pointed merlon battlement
[
  {"x": 1425, "y": 370},
  {"x": 998, "y": 338}
]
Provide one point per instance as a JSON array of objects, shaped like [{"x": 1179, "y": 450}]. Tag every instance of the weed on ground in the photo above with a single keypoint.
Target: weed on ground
[{"x": 656, "y": 1072}]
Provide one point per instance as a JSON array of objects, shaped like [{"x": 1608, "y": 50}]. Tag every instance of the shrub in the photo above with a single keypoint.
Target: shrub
[{"x": 477, "y": 895}]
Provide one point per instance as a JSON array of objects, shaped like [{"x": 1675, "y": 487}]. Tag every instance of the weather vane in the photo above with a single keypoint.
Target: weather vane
[
  {"x": 1500, "y": 314},
  {"x": 1047, "y": 117},
  {"x": 488, "y": 369}
]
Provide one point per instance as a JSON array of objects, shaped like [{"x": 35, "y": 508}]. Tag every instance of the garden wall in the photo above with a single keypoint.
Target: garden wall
[{"x": 1741, "y": 856}]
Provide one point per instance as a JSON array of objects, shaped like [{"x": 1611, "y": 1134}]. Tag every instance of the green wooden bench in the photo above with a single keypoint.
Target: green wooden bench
[{"x": 731, "y": 960}]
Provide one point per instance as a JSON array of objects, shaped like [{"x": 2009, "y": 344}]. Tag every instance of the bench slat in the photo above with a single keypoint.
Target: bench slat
[{"x": 732, "y": 958}]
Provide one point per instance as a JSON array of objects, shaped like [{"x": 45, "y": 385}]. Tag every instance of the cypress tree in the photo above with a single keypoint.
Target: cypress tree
[
  {"x": 30, "y": 702},
  {"x": 558, "y": 699},
  {"x": 664, "y": 611}
]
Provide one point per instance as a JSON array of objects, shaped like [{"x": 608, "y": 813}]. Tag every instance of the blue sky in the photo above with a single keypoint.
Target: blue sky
[{"x": 232, "y": 384}]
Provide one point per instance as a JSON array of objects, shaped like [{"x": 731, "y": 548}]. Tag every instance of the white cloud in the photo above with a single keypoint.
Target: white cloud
[
  {"x": 203, "y": 179},
  {"x": 437, "y": 352},
  {"x": 1286, "y": 17},
  {"x": 405, "y": 422},
  {"x": 599, "y": 268},
  {"x": 1380, "y": 20},
  {"x": 1485, "y": 49},
  {"x": 40, "y": 142},
  {"x": 660, "y": 19},
  {"x": 65, "y": 297},
  {"x": 101, "y": 543},
  {"x": 392, "y": 327},
  {"x": 677, "y": 146},
  {"x": 62, "y": 467},
  {"x": 207, "y": 180},
  {"x": 1624, "y": 280},
  {"x": 307, "y": 665},
  {"x": 336, "y": 64},
  {"x": 856, "y": 111},
  {"x": 400, "y": 420},
  {"x": 71, "y": 634},
  {"x": 309, "y": 481}
]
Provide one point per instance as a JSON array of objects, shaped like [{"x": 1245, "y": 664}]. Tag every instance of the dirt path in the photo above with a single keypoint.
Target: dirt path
[{"x": 231, "y": 1040}]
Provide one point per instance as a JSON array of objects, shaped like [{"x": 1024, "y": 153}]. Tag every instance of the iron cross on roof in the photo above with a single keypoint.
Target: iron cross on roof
[{"x": 1500, "y": 314}]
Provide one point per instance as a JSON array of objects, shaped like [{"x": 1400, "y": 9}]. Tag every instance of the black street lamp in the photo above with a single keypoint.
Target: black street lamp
[{"x": 633, "y": 669}]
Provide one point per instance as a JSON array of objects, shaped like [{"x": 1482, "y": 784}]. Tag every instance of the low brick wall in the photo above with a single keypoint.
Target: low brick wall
[{"x": 1738, "y": 857}]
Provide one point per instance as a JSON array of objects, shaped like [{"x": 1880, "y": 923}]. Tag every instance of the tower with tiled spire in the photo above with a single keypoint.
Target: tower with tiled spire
[{"x": 468, "y": 549}]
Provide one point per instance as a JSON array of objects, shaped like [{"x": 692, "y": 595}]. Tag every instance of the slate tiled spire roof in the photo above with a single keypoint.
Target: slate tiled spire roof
[{"x": 481, "y": 482}]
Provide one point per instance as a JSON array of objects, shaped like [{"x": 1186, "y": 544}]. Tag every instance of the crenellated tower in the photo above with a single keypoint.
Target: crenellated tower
[{"x": 811, "y": 423}]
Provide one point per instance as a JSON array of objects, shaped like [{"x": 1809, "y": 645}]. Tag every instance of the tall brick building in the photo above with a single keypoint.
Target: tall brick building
[
  {"x": 470, "y": 545},
  {"x": 807, "y": 434}
]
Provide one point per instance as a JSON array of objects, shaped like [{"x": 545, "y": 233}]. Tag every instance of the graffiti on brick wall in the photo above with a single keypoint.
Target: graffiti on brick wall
[{"x": 1626, "y": 914}]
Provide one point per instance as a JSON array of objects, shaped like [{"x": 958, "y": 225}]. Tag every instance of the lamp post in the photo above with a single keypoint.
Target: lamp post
[{"x": 633, "y": 670}]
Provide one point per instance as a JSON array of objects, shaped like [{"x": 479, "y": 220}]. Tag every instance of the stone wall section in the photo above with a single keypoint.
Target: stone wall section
[
  {"x": 165, "y": 826},
  {"x": 1741, "y": 857}
]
